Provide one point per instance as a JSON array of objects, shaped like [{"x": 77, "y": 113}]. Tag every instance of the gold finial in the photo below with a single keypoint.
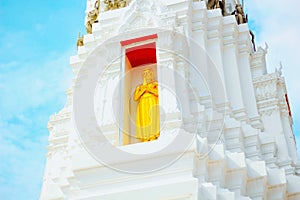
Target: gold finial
[
  {"x": 239, "y": 14},
  {"x": 123, "y": 3},
  {"x": 92, "y": 17},
  {"x": 114, "y": 4},
  {"x": 215, "y": 4},
  {"x": 80, "y": 40},
  {"x": 97, "y": 6}
]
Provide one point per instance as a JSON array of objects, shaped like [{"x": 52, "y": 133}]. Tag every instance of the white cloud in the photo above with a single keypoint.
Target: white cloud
[
  {"x": 8, "y": 65},
  {"x": 39, "y": 27},
  {"x": 279, "y": 26},
  {"x": 33, "y": 84},
  {"x": 21, "y": 169},
  {"x": 28, "y": 92}
]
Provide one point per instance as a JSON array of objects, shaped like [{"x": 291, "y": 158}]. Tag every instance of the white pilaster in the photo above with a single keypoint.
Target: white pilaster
[
  {"x": 214, "y": 50},
  {"x": 245, "y": 76},
  {"x": 230, "y": 67}
]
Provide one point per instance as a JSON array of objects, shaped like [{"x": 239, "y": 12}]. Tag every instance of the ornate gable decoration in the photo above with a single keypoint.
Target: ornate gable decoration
[{"x": 143, "y": 14}]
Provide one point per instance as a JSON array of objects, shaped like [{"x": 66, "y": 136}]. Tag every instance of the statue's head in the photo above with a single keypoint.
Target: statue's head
[
  {"x": 148, "y": 75},
  {"x": 239, "y": 8}
]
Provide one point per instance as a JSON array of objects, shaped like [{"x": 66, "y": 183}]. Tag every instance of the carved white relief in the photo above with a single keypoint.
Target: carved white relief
[
  {"x": 149, "y": 6},
  {"x": 144, "y": 5},
  {"x": 270, "y": 94},
  {"x": 139, "y": 22},
  {"x": 143, "y": 14},
  {"x": 165, "y": 40},
  {"x": 169, "y": 101},
  {"x": 266, "y": 87},
  {"x": 267, "y": 93},
  {"x": 167, "y": 64},
  {"x": 113, "y": 52},
  {"x": 181, "y": 46},
  {"x": 103, "y": 101}
]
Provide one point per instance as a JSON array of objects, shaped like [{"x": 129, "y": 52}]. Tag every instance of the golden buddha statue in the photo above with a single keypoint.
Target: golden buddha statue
[{"x": 147, "y": 115}]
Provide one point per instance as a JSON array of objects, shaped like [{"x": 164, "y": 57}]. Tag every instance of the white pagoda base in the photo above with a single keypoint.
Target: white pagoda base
[{"x": 243, "y": 146}]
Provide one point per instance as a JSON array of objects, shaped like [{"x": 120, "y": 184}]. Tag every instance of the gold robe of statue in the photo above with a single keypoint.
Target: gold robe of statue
[{"x": 147, "y": 114}]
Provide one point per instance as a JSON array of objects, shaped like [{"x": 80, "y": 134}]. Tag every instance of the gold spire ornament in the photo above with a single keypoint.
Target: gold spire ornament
[
  {"x": 147, "y": 115},
  {"x": 80, "y": 40},
  {"x": 114, "y": 4},
  {"x": 215, "y": 4},
  {"x": 122, "y": 3},
  {"x": 92, "y": 17},
  {"x": 240, "y": 16}
]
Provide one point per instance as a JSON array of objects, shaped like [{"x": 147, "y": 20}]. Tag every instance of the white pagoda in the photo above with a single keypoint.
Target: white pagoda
[{"x": 171, "y": 99}]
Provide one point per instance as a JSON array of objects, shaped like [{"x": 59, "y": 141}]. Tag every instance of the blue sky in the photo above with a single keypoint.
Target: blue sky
[{"x": 36, "y": 40}]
